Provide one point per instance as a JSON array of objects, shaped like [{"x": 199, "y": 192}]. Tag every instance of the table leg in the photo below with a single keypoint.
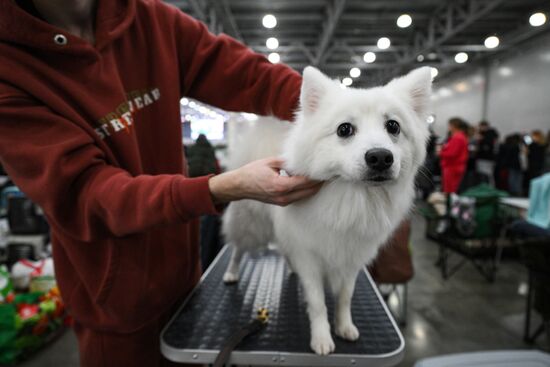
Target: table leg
[{"x": 527, "y": 327}]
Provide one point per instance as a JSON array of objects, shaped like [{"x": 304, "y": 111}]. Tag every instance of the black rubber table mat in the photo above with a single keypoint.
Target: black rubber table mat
[{"x": 215, "y": 310}]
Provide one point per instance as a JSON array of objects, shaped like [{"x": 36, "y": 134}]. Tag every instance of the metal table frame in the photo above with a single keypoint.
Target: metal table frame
[{"x": 277, "y": 358}]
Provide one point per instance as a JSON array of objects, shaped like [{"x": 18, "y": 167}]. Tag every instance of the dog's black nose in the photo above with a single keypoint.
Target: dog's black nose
[{"x": 379, "y": 159}]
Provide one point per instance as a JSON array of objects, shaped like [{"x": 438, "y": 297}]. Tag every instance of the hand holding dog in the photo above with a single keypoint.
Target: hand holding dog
[{"x": 261, "y": 180}]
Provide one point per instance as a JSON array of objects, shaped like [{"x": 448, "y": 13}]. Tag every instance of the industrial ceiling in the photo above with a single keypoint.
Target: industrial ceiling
[{"x": 335, "y": 35}]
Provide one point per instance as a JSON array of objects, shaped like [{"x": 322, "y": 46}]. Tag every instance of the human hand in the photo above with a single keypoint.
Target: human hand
[{"x": 261, "y": 180}]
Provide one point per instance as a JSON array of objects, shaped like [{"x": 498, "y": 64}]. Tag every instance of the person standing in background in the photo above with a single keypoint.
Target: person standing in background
[
  {"x": 487, "y": 140},
  {"x": 201, "y": 158},
  {"x": 454, "y": 156},
  {"x": 510, "y": 161},
  {"x": 470, "y": 132},
  {"x": 536, "y": 154}
]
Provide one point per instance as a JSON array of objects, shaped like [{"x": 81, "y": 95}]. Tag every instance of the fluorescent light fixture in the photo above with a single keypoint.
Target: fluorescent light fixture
[
  {"x": 461, "y": 57},
  {"x": 383, "y": 43},
  {"x": 369, "y": 57},
  {"x": 461, "y": 87},
  {"x": 537, "y": 19},
  {"x": 505, "y": 71},
  {"x": 445, "y": 92},
  {"x": 269, "y": 21},
  {"x": 404, "y": 21},
  {"x": 272, "y": 43},
  {"x": 274, "y": 57},
  {"x": 491, "y": 42},
  {"x": 355, "y": 72}
]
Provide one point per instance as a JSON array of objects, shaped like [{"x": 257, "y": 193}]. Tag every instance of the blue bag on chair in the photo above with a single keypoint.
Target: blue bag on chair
[{"x": 539, "y": 202}]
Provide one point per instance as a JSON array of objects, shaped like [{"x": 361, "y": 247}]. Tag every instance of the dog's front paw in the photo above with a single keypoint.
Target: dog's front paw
[
  {"x": 229, "y": 278},
  {"x": 322, "y": 344},
  {"x": 347, "y": 331}
]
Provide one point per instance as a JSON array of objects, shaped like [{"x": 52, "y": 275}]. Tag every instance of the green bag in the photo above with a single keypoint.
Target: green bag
[
  {"x": 8, "y": 333},
  {"x": 486, "y": 208}
]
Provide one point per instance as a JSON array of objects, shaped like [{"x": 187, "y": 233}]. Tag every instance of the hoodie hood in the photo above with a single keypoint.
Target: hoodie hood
[{"x": 18, "y": 27}]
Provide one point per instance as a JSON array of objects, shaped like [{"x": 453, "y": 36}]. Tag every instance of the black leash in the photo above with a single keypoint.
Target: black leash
[{"x": 237, "y": 337}]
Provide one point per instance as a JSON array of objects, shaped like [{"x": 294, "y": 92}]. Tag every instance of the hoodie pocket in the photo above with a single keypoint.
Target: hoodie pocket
[{"x": 110, "y": 274}]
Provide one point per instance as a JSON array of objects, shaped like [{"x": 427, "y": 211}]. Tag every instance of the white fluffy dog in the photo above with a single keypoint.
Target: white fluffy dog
[{"x": 367, "y": 144}]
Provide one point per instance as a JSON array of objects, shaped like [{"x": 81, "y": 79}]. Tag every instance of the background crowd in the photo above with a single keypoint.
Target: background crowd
[{"x": 472, "y": 154}]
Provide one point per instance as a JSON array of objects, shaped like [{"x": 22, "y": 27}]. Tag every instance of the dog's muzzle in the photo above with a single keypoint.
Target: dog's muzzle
[
  {"x": 379, "y": 162},
  {"x": 379, "y": 159}
]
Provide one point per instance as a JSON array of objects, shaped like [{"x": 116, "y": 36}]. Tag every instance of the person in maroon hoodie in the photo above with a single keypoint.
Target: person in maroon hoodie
[
  {"x": 90, "y": 130},
  {"x": 454, "y": 156}
]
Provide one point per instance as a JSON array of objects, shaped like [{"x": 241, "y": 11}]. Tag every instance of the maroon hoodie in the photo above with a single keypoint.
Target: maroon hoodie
[{"x": 92, "y": 133}]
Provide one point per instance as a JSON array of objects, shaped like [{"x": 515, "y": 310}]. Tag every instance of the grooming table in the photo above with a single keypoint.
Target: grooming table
[{"x": 214, "y": 310}]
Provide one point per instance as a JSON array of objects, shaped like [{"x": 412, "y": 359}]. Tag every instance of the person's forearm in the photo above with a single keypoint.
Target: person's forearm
[
  {"x": 224, "y": 187},
  {"x": 260, "y": 180}
]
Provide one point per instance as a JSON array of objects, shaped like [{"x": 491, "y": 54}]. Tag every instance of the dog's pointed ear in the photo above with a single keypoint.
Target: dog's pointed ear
[
  {"x": 417, "y": 87},
  {"x": 314, "y": 86}
]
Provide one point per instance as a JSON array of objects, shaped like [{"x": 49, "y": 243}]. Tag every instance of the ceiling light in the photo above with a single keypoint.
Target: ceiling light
[
  {"x": 274, "y": 57},
  {"x": 347, "y": 81},
  {"x": 505, "y": 71},
  {"x": 430, "y": 119},
  {"x": 355, "y": 72},
  {"x": 461, "y": 57},
  {"x": 420, "y": 58},
  {"x": 477, "y": 80},
  {"x": 383, "y": 43},
  {"x": 432, "y": 56},
  {"x": 461, "y": 87},
  {"x": 369, "y": 57},
  {"x": 404, "y": 21},
  {"x": 434, "y": 72},
  {"x": 269, "y": 21},
  {"x": 445, "y": 92},
  {"x": 491, "y": 42},
  {"x": 184, "y": 101},
  {"x": 537, "y": 19},
  {"x": 272, "y": 43}
]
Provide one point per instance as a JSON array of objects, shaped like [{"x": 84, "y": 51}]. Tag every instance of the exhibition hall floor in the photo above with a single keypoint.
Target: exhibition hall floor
[{"x": 464, "y": 313}]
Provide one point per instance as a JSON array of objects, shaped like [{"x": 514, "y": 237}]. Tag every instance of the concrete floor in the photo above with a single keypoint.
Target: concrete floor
[{"x": 462, "y": 314}]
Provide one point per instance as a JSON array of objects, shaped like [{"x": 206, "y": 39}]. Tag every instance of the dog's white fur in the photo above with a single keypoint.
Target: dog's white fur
[{"x": 329, "y": 237}]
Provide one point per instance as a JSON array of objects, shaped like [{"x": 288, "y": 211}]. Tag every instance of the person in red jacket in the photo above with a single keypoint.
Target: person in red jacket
[
  {"x": 454, "y": 156},
  {"x": 90, "y": 130}
]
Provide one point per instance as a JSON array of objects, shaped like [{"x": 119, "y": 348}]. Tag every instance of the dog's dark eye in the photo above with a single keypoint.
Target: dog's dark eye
[
  {"x": 345, "y": 130},
  {"x": 393, "y": 127}
]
